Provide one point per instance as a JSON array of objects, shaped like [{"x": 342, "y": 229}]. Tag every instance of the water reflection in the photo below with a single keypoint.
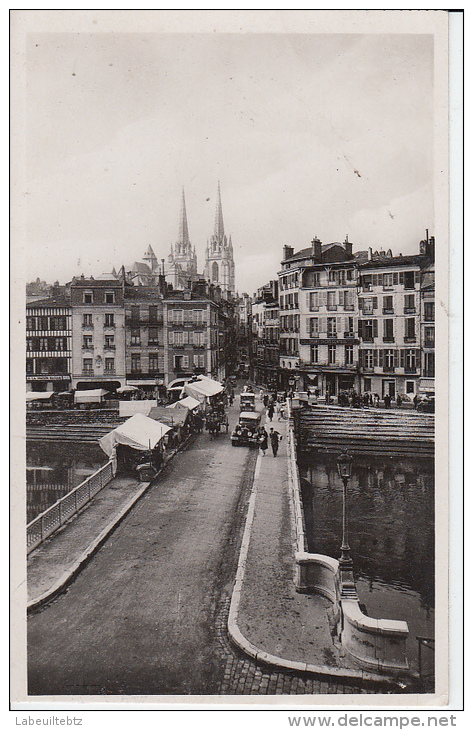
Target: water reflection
[
  {"x": 390, "y": 532},
  {"x": 54, "y": 468}
]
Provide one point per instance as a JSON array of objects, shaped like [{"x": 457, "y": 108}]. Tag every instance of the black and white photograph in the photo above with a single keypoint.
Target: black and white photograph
[{"x": 230, "y": 262}]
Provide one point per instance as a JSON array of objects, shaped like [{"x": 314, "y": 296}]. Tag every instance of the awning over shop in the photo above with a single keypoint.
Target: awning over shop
[
  {"x": 89, "y": 396},
  {"x": 139, "y": 432},
  {"x": 189, "y": 403},
  {"x": 130, "y": 407},
  {"x": 141, "y": 382},
  {"x": 172, "y": 418},
  {"x": 38, "y": 396}
]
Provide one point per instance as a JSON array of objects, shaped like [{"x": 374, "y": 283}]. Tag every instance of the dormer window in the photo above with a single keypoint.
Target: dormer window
[{"x": 88, "y": 297}]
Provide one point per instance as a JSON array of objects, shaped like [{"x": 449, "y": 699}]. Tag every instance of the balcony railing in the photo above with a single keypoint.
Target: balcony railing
[
  {"x": 349, "y": 334},
  {"x": 332, "y": 307},
  {"x": 388, "y": 310},
  {"x": 410, "y": 370},
  {"x": 410, "y": 338},
  {"x": 389, "y": 338},
  {"x": 109, "y": 347},
  {"x": 388, "y": 368},
  {"x": 87, "y": 347},
  {"x": 109, "y": 325},
  {"x": 109, "y": 371},
  {"x": 409, "y": 310},
  {"x": 87, "y": 326},
  {"x": 87, "y": 371}
]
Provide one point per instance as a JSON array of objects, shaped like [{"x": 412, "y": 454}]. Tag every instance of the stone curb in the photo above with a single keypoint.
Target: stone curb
[
  {"x": 82, "y": 560},
  {"x": 253, "y": 651}
]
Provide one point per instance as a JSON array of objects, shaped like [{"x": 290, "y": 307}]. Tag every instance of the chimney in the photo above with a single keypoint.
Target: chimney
[
  {"x": 431, "y": 248},
  {"x": 316, "y": 249},
  {"x": 348, "y": 246},
  {"x": 288, "y": 252},
  {"x": 370, "y": 253}
]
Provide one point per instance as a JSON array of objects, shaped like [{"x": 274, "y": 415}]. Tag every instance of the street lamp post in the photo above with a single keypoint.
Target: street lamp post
[{"x": 347, "y": 581}]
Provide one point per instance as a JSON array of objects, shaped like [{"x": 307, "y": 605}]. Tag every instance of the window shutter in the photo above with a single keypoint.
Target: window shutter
[
  {"x": 323, "y": 324},
  {"x": 339, "y": 324},
  {"x": 375, "y": 302},
  {"x": 375, "y": 358},
  {"x": 406, "y": 328},
  {"x": 360, "y": 328},
  {"x": 375, "y": 327},
  {"x": 308, "y": 326},
  {"x": 417, "y": 277},
  {"x": 418, "y": 356},
  {"x": 185, "y": 361},
  {"x": 347, "y": 324},
  {"x": 351, "y": 297},
  {"x": 395, "y": 278},
  {"x": 307, "y": 300},
  {"x": 396, "y": 358},
  {"x": 324, "y": 298},
  {"x": 401, "y": 277},
  {"x": 403, "y": 358},
  {"x": 340, "y": 298},
  {"x": 360, "y": 303}
]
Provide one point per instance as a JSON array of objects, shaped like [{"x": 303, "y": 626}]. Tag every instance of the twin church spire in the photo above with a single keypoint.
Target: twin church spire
[{"x": 219, "y": 266}]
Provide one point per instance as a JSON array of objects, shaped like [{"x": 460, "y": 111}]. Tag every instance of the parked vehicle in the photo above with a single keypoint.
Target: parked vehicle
[{"x": 246, "y": 430}]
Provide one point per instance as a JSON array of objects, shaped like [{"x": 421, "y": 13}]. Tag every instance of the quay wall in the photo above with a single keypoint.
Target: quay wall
[{"x": 375, "y": 644}]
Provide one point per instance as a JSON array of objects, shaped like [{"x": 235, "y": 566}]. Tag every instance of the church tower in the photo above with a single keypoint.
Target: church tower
[
  {"x": 219, "y": 264},
  {"x": 183, "y": 258}
]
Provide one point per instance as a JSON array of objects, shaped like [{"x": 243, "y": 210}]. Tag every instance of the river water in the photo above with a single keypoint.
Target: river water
[
  {"x": 54, "y": 468},
  {"x": 390, "y": 533}
]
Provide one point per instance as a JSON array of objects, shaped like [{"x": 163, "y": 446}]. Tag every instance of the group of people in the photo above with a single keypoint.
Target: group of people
[{"x": 264, "y": 439}]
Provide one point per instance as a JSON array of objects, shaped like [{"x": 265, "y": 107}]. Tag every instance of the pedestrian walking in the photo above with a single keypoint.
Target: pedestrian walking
[
  {"x": 271, "y": 411},
  {"x": 387, "y": 401},
  {"x": 263, "y": 439},
  {"x": 278, "y": 410},
  {"x": 274, "y": 437}
]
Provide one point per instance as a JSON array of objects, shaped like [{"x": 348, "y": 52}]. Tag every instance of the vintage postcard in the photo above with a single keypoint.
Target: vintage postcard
[{"x": 230, "y": 287}]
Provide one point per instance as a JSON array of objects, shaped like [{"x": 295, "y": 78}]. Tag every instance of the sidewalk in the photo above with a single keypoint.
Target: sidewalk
[
  {"x": 55, "y": 562},
  {"x": 268, "y": 618}
]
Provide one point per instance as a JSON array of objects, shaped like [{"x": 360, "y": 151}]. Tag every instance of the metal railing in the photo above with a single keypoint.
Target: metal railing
[{"x": 61, "y": 511}]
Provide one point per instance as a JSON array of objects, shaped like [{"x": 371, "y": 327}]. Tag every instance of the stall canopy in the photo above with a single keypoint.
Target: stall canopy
[
  {"x": 130, "y": 407},
  {"x": 201, "y": 389},
  {"x": 187, "y": 403},
  {"x": 126, "y": 389},
  {"x": 89, "y": 396},
  {"x": 139, "y": 432},
  {"x": 38, "y": 396},
  {"x": 172, "y": 418}
]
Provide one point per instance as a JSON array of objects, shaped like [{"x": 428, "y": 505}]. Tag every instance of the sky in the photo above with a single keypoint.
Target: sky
[{"x": 308, "y": 134}]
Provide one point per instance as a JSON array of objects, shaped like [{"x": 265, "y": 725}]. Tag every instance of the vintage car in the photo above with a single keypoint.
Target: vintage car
[
  {"x": 245, "y": 432},
  {"x": 247, "y": 401}
]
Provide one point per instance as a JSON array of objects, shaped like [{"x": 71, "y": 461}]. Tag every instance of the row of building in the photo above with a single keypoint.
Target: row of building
[
  {"x": 106, "y": 333},
  {"x": 336, "y": 320},
  {"x": 149, "y": 324}
]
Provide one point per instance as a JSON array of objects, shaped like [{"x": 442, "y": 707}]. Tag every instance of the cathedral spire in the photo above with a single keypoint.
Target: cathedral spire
[
  {"x": 183, "y": 229},
  {"x": 219, "y": 230}
]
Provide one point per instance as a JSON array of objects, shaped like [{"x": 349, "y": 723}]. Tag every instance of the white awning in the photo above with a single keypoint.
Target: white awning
[
  {"x": 139, "y": 432},
  {"x": 126, "y": 389},
  {"x": 189, "y": 403},
  {"x": 203, "y": 388},
  {"x": 89, "y": 396},
  {"x": 38, "y": 396},
  {"x": 130, "y": 407}
]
